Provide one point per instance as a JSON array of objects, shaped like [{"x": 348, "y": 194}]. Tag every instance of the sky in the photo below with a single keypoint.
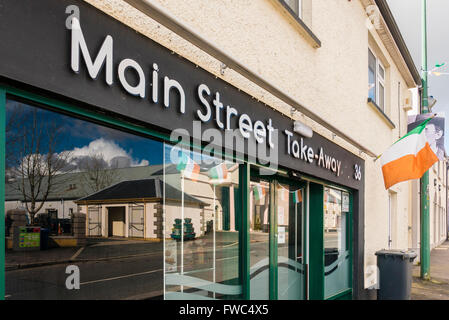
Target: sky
[
  {"x": 82, "y": 139},
  {"x": 407, "y": 14}
]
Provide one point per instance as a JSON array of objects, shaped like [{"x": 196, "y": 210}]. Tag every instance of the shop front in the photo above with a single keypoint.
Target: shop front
[{"x": 243, "y": 206}]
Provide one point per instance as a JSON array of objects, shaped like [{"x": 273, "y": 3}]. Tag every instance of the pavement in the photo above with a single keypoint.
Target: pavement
[
  {"x": 95, "y": 250},
  {"x": 437, "y": 288},
  {"x": 105, "y": 249},
  {"x": 109, "y": 269},
  {"x": 30, "y": 259}
]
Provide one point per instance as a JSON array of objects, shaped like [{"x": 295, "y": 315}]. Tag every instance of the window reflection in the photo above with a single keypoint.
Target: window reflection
[
  {"x": 201, "y": 227},
  {"x": 259, "y": 239},
  {"x": 290, "y": 212},
  {"x": 81, "y": 191}
]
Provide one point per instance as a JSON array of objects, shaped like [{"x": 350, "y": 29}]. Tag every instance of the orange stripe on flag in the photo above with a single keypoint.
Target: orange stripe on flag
[
  {"x": 195, "y": 172},
  {"x": 408, "y": 167}
]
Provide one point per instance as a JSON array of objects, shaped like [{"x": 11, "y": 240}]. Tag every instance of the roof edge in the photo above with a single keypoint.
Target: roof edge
[{"x": 397, "y": 36}]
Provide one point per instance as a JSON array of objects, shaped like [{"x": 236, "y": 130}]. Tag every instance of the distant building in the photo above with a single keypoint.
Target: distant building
[
  {"x": 134, "y": 208},
  {"x": 437, "y": 209},
  {"x": 70, "y": 187}
]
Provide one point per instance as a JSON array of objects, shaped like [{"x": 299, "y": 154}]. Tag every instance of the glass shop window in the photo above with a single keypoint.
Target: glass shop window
[
  {"x": 259, "y": 239},
  {"x": 201, "y": 226},
  {"x": 81, "y": 185}
]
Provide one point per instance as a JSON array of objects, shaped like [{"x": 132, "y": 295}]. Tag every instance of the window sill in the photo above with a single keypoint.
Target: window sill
[
  {"x": 381, "y": 113},
  {"x": 302, "y": 27}
]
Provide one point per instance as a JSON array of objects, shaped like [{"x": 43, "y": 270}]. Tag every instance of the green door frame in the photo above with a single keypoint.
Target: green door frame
[
  {"x": 273, "y": 242},
  {"x": 244, "y": 247},
  {"x": 316, "y": 242}
]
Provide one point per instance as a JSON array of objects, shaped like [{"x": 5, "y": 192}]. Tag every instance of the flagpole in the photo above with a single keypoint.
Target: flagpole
[
  {"x": 213, "y": 231},
  {"x": 163, "y": 214},
  {"x": 425, "y": 226},
  {"x": 182, "y": 227}
]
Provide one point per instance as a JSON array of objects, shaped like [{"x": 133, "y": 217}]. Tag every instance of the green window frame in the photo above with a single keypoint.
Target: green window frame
[{"x": 2, "y": 190}]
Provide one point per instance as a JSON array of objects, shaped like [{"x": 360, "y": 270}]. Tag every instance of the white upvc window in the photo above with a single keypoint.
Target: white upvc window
[
  {"x": 296, "y": 6},
  {"x": 376, "y": 80}
]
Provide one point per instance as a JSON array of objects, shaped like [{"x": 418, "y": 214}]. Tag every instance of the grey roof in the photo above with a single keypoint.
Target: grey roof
[
  {"x": 140, "y": 189},
  {"x": 74, "y": 186}
]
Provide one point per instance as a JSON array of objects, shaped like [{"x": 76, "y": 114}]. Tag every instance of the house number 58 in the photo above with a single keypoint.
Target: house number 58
[{"x": 357, "y": 172}]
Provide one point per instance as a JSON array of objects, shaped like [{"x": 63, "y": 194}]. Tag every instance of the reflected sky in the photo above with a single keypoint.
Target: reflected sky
[{"x": 82, "y": 138}]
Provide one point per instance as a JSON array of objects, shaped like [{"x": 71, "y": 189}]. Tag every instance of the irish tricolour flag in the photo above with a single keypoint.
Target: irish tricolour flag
[
  {"x": 297, "y": 197},
  {"x": 218, "y": 173},
  {"x": 189, "y": 168},
  {"x": 409, "y": 158},
  {"x": 259, "y": 192}
]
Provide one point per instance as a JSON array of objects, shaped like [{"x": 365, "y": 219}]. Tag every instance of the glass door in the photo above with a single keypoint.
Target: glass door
[
  {"x": 337, "y": 253},
  {"x": 201, "y": 226},
  {"x": 260, "y": 224},
  {"x": 290, "y": 244},
  {"x": 277, "y": 224}
]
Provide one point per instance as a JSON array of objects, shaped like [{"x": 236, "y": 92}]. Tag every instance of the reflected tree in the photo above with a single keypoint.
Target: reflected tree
[
  {"x": 97, "y": 174},
  {"x": 40, "y": 169},
  {"x": 15, "y": 120}
]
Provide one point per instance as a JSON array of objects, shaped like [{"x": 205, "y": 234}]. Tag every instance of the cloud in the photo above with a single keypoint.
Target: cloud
[
  {"x": 103, "y": 153},
  {"x": 113, "y": 155}
]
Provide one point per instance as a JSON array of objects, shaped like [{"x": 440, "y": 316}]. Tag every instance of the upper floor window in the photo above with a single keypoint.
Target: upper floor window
[
  {"x": 376, "y": 80},
  {"x": 296, "y": 6}
]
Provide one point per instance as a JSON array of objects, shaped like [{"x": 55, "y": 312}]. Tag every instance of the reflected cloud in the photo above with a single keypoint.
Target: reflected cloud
[{"x": 113, "y": 155}]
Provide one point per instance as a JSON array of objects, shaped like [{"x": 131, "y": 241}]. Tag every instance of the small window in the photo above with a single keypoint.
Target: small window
[
  {"x": 296, "y": 6},
  {"x": 381, "y": 93},
  {"x": 372, "y": 88},
  {"x": 376, "y": 80}
]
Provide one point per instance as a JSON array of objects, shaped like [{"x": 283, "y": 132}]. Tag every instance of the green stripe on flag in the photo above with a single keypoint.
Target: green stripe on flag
[
  {"x": 417, "y": 130},
  {"x": 297, "y": 196},
  {"x": 219, "y": 172},
  {"x": 183, "y": 162},
  {"x": 258, "y": 193}
]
